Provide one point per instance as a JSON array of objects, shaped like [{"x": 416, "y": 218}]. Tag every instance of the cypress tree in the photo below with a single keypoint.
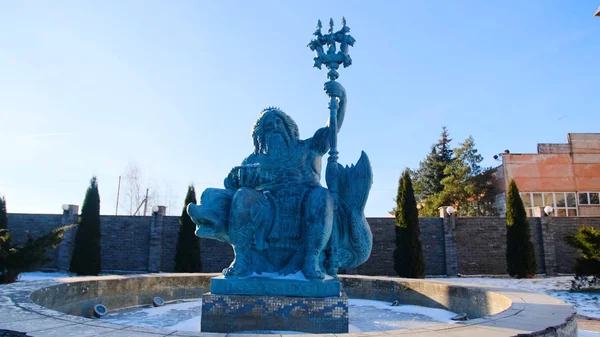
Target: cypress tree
[
  {"x": 408, "y": 255},
  {"x": 187, "y": 258},
  {"x": 86, "y": 253},
  {"x": 520, "y": 252},
  {"x": 3, "y": 214}
]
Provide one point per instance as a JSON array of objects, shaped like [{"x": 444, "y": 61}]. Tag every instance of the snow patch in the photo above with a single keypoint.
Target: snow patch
[
  {"x": 585, "y": 333},
  {"x": 40, "y": 275},
  {"x": 298, "y": 276}
]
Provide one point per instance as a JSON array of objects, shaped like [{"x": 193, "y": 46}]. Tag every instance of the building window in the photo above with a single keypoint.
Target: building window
[
  {"x": 583, "y": 198},
  {"x": 589, "y": 198},
  {"x": 564, "y": 204}
]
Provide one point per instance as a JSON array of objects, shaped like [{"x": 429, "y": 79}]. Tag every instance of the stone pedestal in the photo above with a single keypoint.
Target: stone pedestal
[
  {"x": 230, "y": 313},
  {"x": 274, "y": 287}
]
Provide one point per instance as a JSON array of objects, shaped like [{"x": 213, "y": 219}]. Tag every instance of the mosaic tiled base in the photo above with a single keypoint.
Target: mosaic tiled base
[
  {"x": 231, "y": 313},
  {"x": 258, "y": 286}
]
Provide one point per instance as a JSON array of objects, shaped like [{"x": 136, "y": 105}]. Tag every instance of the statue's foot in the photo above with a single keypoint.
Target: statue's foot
[
  {"x": 288, "y": 270},
  {"x": 238, "y": 268},
  {"x": 311, "y": 270},
  {"x": 332, "y": 271}
]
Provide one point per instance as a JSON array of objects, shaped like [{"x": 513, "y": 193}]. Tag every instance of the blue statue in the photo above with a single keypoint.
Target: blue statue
[{"x": 274, "y": 211}]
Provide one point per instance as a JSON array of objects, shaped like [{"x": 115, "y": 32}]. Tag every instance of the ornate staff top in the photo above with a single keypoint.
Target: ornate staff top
[{"x": 331, "y": 59}]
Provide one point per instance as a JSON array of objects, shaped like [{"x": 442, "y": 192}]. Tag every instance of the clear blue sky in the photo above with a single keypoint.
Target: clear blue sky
[{"x": 89, "y": 87}]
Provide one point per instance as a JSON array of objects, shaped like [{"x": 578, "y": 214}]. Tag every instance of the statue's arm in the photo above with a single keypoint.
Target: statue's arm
[
  {"x": 337, "y": 91},
  {"x": 320, "y": 141}
]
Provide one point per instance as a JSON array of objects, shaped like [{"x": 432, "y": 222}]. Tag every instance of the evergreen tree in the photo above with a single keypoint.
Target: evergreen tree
[
  {"x": 3, "y": 214},
  {"x": 587, "y": 242},
  {"x": 467, "y": 186},
  {"x": 520, "y": 252},
  {"x": 31, "y": 256},
  {"x": 408, "y": 255},
  {"x": 86, "y": 258},
  {"x": 187, "y": 258},
  {"x": 445, "y": 153},
  {"x": 426, "y": 183},
  {"x": 431, "y": 172}
]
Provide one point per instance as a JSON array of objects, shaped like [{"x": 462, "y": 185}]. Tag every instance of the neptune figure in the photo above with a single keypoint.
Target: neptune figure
[{"x": 273, "y": 209}]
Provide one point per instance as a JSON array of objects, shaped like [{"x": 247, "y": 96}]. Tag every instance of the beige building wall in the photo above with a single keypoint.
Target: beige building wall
[{"x": 557, "y": 174}]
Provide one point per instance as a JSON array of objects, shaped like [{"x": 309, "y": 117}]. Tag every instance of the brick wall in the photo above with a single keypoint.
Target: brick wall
[
  {"x": 480, "y": 243},
  {"x": 169, "y": 248},
  {"x": 432, "y": 238},
  {"x": 565, "y": 254},
  {"x": 381, "y": 260},
  {"x": 215, "y": 255},
  {"x": 125, "y": 242},
  {"x": 384, "y": 242},
  {"x": 36, "y": 225}
]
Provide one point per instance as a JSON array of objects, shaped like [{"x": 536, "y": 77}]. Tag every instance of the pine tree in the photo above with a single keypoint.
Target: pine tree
[
  {"x": 408, "y": 256},
  {"x": 3, "y": 214},
  {"x": 520, "y": 252},
  {"x": 587, "y": 242},
  {"x": 86, "y": 258},
  {"x": 431, "y": 172},
  {"x": 187, "y": 258},
  {"x": 467, "y": 186},
  {"x": 31, "y": 256},
  {"x": 426, "y": 183},
  {"x": 445, "y": 153}
]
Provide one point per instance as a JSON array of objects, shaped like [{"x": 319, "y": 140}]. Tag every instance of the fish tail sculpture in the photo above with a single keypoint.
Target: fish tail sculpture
[{"x": 355, "y": 238}]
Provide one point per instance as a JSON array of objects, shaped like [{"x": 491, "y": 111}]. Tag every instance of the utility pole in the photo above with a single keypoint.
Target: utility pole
[
  {"x": 146, "y": 202},
  {"x": 118, "y": 193}
]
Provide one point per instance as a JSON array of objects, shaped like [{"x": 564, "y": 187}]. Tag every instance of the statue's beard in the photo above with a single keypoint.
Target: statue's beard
[{"x": 275, "y": 144}]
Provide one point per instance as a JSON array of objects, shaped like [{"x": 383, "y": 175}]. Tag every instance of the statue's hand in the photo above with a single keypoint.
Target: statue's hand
[
  {"x": 232, "y": 181},
  {"x": 250, "y": 176},
  {"x": 334, "y": 89}
]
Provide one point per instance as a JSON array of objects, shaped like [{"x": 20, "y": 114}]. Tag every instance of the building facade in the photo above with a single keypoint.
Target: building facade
[{"x": 563, "y": 176}]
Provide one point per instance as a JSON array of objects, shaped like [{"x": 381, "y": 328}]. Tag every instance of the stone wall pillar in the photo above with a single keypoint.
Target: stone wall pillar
[
  {"x": 156, "y": 239},
  {"x": 65, "y": 249},
  {"x": 548, "y": 243},
  {"x": 449, "y": 242}
]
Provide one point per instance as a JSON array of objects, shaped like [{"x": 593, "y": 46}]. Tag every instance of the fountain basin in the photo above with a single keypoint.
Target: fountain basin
[{"x": 492, "y": 311}]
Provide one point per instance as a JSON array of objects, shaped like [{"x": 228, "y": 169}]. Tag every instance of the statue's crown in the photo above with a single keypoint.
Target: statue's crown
[{"x": 270, "y": 108}]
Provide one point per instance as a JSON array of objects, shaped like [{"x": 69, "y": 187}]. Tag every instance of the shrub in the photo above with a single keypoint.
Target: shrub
[
  {"x": 587, "y": 265},
  {"x": 31, "y": 256}
]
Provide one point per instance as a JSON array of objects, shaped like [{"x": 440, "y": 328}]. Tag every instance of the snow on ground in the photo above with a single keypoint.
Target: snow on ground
[
  {"x": 40, "y": 275},
  {"x": 586, "y": 303},
  {"x": 180, "y": 315},
  {"x": 298, "y": 276},
  {"x": 584, "y": 333}
]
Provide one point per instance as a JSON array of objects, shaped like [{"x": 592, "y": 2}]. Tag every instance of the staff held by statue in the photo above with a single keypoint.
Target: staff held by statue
[{"x": 332, "y": 60}]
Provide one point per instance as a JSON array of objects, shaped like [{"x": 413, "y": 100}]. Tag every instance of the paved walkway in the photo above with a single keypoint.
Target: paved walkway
[{"x": 587, "y": 323}]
